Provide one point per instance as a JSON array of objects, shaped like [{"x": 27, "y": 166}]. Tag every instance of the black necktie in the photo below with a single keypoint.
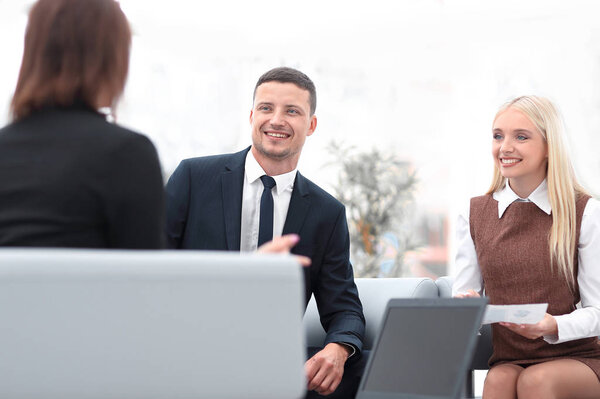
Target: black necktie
[{"x": 265, "y": 225}]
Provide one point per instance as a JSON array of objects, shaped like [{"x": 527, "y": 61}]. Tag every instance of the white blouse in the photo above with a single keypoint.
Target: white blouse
[{"x": 582, "y": 322}]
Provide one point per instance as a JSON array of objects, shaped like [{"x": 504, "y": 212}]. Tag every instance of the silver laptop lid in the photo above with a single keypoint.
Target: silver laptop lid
[
  {"x": 423, "y": 349},
  {"x": 149, "y": 324}
]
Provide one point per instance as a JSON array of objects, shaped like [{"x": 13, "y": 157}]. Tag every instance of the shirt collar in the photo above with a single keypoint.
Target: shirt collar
[
  {"x": 539, "y": 197},
  {"x": 254, "y": 171}
]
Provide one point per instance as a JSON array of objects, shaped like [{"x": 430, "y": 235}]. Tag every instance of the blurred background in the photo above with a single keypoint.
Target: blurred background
[{"x": 408, "y": 87}]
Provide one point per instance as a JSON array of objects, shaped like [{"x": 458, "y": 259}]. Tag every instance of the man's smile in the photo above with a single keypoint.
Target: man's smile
[{"x": 277, "y": 134}]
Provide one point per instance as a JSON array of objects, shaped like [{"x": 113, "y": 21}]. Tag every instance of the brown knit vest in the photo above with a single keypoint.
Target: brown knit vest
[{"x": 514, "y": 260}]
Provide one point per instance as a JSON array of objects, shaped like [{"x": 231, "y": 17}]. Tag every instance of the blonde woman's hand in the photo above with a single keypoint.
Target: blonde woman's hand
[
  {"x": 545, "y": 327},
  {"x": 468, "y": 294}
]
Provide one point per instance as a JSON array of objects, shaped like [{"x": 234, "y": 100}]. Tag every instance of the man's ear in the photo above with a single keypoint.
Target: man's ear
[
  {"x": 251, "y": 117},
  {"x": 313, "y": 125}
]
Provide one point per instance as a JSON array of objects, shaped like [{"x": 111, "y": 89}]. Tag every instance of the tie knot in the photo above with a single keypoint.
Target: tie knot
[{"x": 267, "y": 181}]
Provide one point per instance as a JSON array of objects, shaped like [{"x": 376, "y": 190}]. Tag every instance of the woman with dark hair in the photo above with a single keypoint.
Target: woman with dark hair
[{"x": 69, "y": 178}]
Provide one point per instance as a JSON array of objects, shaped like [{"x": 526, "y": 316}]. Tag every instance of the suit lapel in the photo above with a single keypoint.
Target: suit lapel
[
  {"x": 232, "y": 184},
  {"x": 299, "y": 205}
]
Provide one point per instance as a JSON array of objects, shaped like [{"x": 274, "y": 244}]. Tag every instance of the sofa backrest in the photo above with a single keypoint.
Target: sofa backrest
[
  {"x": 444, "y": 285},
  {"x": 374, "y": 294},
  {"x": 150, "y": 324}
]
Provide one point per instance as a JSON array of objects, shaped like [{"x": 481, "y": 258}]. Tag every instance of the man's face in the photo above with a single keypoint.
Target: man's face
[{"x": 281, "y": 121}]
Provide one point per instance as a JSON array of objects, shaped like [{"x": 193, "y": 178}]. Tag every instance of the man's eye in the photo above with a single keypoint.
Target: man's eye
[
  {"x": 292, "y": 111},
  {"x": 263, "y": 108}
]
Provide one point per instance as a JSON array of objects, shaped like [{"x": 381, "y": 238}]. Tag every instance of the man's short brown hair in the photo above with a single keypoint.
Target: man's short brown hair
[{"x": 290, "y": 75}]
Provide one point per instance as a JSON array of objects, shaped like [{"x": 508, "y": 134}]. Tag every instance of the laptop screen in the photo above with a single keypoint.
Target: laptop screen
[{"x": 424, "y": 348}]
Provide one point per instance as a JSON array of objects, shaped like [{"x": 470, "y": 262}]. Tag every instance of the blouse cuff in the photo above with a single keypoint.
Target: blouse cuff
[{"x": 575, "y": 325}]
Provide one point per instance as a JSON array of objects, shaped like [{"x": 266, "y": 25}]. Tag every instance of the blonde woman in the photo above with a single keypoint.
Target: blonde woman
[{"x": 535, "y": 238}]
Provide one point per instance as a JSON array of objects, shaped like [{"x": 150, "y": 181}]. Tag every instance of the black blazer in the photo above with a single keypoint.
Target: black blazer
[
  {"x": 68, "y": 178},
  {"x": 204, "y": 211}
]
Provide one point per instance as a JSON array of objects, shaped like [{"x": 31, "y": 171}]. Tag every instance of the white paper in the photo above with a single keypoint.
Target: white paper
[{"x": 519, "y": 314}]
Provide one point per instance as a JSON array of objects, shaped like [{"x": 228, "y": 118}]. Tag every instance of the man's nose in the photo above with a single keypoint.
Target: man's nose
[{"x": 278, "y": 118}]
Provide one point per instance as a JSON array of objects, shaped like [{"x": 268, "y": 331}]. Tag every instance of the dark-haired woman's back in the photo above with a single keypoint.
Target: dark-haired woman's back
[{"x": 68, "y": 178}]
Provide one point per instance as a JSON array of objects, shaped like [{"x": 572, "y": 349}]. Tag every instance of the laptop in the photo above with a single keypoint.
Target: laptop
[
  {"x": 423, "y": 349},
  {"x": 87, "y": 324}
]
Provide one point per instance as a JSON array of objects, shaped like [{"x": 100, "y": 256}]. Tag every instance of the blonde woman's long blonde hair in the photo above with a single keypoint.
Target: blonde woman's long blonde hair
[{"x": 563, "y": 189}]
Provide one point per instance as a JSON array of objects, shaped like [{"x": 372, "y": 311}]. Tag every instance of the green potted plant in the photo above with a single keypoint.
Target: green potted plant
[{"x": 377, "y": 189}]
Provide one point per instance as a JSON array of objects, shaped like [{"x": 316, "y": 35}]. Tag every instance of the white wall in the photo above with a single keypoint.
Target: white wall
[{"x": 419, "y": 77}]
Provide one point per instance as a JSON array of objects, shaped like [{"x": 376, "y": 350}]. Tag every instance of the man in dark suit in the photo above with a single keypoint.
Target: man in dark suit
[{"x": 237, "y": 201}]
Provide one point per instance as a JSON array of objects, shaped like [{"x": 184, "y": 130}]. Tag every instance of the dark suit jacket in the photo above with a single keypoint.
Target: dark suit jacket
[
  {"x": 204, "y": 211},
  {"x": 68, "y": 178}
]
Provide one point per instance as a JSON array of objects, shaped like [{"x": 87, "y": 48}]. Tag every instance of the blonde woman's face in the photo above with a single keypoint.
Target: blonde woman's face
[{"x": 519, "y": 149}]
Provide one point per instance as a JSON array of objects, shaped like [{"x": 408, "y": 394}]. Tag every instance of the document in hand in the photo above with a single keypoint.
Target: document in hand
[{"x": 519, "y": 314}]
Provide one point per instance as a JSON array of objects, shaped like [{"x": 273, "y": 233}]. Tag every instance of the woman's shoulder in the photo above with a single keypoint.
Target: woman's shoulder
[
  {"x": 482, "y": 198},
  {"x": 481, "y": 201},
  {"x": 69, "y": 123},
  {"x": 127, "y": 135},
  {"x": 477, "y": 205},
  {"x": 106, "y": 136},
  {"x": 98, "y": 139},
  {"x": 98, "y": 125},
  {"x": 123, "y": 143},
  {"x": 592, "y": 207},
  {"x": 468, "y": 204}
]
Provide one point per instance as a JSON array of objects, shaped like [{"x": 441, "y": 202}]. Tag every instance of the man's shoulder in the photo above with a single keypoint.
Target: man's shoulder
[
  {"x": 219, "y": 161},
  {"x": 318, "y": 194}
]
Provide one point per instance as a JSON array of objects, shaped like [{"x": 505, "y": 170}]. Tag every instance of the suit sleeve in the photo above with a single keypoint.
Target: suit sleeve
[
  {"x": 135, "y": 206},
  {"x": 178, "y": 201},
  {"x": 340, "y": 308}
]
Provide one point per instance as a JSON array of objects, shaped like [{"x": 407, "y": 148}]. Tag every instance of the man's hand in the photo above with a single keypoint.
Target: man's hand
[
  {"x": 325, "y": 369},
  {"x": 283, "y": 245},
  {"x": 547, "y": 326}
]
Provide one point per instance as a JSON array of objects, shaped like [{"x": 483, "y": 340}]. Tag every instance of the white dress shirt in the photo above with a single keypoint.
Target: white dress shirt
[
  {"x": 253, "y": 189},
  {"x": 282, "y": 194},
  {"x": 582, "y": 322}
]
